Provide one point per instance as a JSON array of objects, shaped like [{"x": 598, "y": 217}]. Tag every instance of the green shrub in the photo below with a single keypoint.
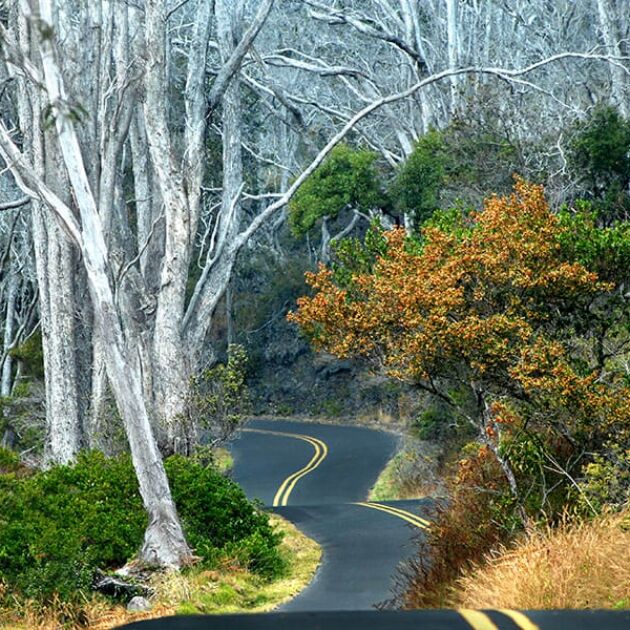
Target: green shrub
[
  {"x": 219, "y": 520},
  {"x": 419, "y": 181},
  {"x": 9, "y": 461},
  {"x": 31, "y": 354},
  {"x": 57, "y": 527},
  {"x": 348, "y": 178},
  {"x": 438, "y": 423},
  {"x": 606, "y": 480},
  {"x": 599, "y": 155}
]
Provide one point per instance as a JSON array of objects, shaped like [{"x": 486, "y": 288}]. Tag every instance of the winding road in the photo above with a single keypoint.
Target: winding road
[{"x": 318, "y": 476}]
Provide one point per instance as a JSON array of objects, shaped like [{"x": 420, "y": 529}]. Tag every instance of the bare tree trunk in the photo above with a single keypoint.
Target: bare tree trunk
[
  {"x": 229, "y": 315},
  {"x": 54, "y": 266},
  {"x": 9, "y": 322},
  {"x": 453, "y": 49},
  {"x": 54, "y": 269},
  {"x": 171, "y": 369},
  {"x": 98, "y": 395},
  {"x": 608, "y": 25},
  {"x": 59, "y": 339},
  {"x": 8, "y": 437}
]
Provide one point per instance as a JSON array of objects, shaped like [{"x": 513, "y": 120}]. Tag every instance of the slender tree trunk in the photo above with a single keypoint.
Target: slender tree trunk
[
  {"x": 8, "y": 437},
  {"x": 214, "y": 282},
  {"x": 171, "y": 371},
  {"x": 453, "y": 49},
  {"x": 608, "y": 25},
  {"x": 9, "y": 325}
]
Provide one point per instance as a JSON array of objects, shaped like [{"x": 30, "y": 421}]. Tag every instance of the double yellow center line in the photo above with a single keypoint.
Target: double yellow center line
[
  {"x": 480, "y": 621},
  {"x": 321, "y": 450},
  {"x": 414, "y": 519}
]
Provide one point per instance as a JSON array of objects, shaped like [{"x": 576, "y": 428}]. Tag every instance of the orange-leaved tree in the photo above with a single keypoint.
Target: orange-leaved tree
[{"x": 486, "y": 302}]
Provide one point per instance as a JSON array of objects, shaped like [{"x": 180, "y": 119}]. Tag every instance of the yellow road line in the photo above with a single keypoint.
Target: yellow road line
[
  {"x": 519, "y": 619},
  {"x": 321, "y": 451},
  {"x": 402, "y": 512},
  {"x": 406, "y": 516},
  {"x": 477, "y": 620}
]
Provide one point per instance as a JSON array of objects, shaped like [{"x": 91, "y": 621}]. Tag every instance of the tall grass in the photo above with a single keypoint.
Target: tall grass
[
  {"x": 583, "y": 565},
  {"x": 463, "y": 529}
]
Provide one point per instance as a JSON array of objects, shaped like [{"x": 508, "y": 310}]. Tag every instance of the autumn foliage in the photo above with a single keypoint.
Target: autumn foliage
[
  {"x": 473, "y": 295},
  {"x": 489, "y": 303}
]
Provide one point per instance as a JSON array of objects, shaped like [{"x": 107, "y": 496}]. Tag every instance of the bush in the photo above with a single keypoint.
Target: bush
[
  {"x": 59, "y": 526},
  {"x": 31, "y": 354},
  {"x": 599, "y": 155},
  {"x": 9, "y": 461},
  {"x": 348, "y": 178},
  {"x": 219, "y": 399},
  {"x": 219, "y": 521},
  {"x": 419, "y": 182},
  {"x": 479, "y": 516}
]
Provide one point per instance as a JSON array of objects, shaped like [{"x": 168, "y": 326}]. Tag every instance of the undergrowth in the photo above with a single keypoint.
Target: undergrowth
[
  {"x": 477, "y": 517},
  {"x": 59, "y": 526},
  {"x": 575, "y": 565},
  {"x": 227, "y": 588}
]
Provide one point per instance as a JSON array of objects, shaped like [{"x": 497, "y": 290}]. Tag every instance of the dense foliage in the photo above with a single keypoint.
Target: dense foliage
[
  {"x": 494, "y": 303},
  {"x": 59, "y": 526},
  {"x": 600, "y": 157},
  {"x": 348, "y": 179},
  {"x": 418, "y": 183}
]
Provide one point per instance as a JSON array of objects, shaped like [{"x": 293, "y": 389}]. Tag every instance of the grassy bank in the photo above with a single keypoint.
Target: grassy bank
[
  {"x": 585, "y": 565},
  {"x": 411, "y": 474},
  {"x": 228, "y": 589},
  {"x": 223, "y": 460}
]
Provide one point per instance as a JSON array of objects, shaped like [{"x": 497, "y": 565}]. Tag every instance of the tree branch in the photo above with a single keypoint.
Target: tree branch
[
  {"x": 17, "y": 203},
  {"x": 233, "y": 64}
]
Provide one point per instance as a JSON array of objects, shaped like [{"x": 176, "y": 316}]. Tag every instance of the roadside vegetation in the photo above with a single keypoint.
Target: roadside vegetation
[
  {"x": 512, "y": 322},
  {"x": 65, "y": 530},
  {"x": 413, "y": 473},
  {"x": 574, "y": 565},
  {"x": 227, "y": 588}
]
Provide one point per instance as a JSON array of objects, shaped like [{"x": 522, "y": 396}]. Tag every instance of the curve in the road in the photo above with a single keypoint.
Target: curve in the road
[
  {"x": 413, "y": 519},
  {"x": 321, "y": 451},
  {"x": 318, "y": 476},
  {"x": 362, "y": 541},
  {"x": 267, "y": 453}
]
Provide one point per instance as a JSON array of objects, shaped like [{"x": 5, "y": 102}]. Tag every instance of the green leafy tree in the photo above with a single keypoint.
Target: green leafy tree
[
  {"x": 600, "y": 156},
  {"x": 348, "y": 179},
  {"x": 417, "y": 187}
]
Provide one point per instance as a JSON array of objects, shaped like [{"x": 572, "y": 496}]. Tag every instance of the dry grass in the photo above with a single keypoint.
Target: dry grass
[
  {"x": 574, "y": 566},
  {"x": 229, "y": 589}
]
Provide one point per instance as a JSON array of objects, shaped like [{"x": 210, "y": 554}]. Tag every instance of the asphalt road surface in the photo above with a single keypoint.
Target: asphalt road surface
[
  {"x": 408, "y": 620},
  {"x": 318, "y": 476},
  {"x": 355, "y": 456}
]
